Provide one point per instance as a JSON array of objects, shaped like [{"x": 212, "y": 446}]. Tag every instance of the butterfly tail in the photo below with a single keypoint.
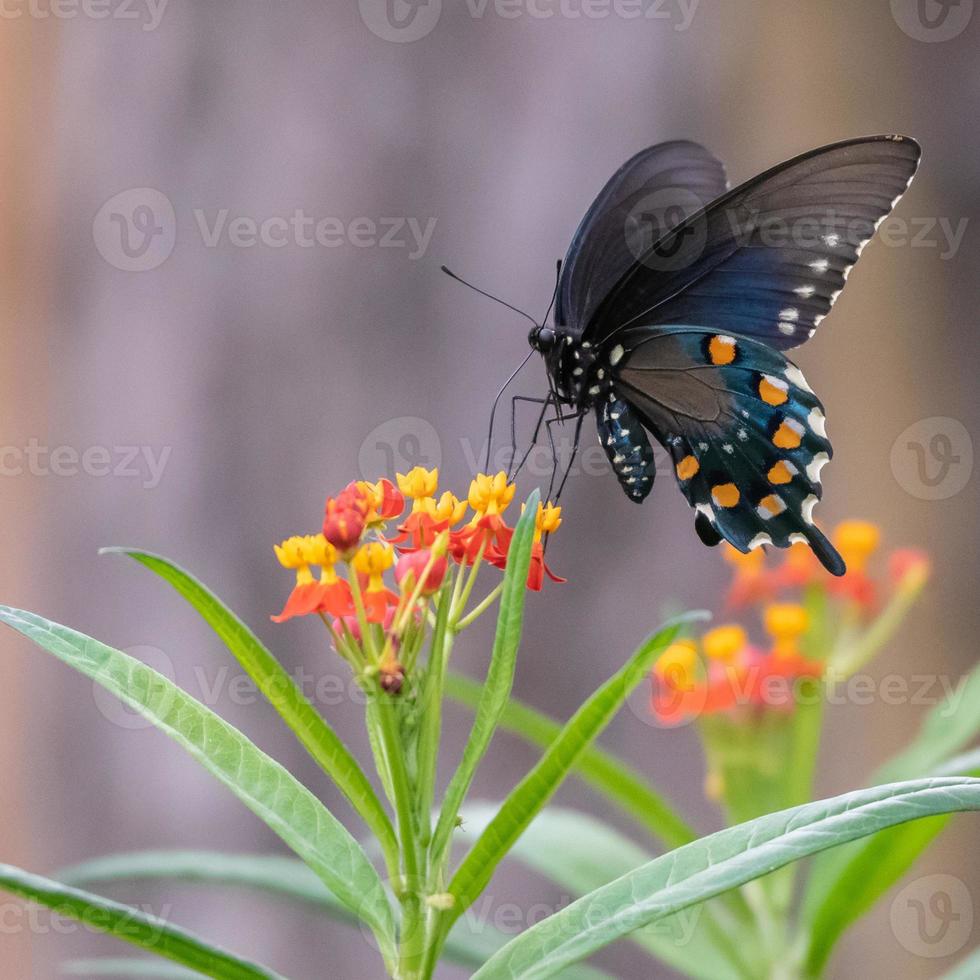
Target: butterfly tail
[{"x": 829, "y": 556}]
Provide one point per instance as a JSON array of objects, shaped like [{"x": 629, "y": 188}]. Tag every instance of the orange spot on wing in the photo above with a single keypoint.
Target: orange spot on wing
[
  {"x": 725, "y": 494},
  {"x": 687, "y": 468},
  {"x": 789, "y": 435},
  {"x": 772, "y": 394},
  {"x": 721, "y": 350},
  {"x": 780, "y": 473},
  {"x": 772, "y": 504}
]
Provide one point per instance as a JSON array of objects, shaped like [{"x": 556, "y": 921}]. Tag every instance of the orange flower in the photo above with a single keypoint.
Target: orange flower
[
  {"x": 371, "y": 561},
  {"x": 752, "y": 580},
  {"x": 329, "y": 594},
  {"x": 428, "y": 519},
  {"x": 413, "y": 565},
  {"x": 346, "y": 518},
  {"x": 489, "y": 496},
  {"x": 385, "y": 501},
  {"x": 857, "y": 541}
]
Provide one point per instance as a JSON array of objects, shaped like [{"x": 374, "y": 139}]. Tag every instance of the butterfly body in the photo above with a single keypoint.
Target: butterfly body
[{"x": 682, "y": 335}]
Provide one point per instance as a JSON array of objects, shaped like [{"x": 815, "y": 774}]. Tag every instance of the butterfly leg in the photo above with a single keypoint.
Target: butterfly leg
[
  {"x": 544, "y": 403},
  {"x": 576, "y": 440}
]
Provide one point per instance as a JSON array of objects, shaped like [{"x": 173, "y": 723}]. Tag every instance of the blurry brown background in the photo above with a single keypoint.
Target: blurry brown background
[{"x": 258, "y": 373}]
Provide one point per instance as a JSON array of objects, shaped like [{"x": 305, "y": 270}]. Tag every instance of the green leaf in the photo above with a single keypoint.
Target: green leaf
[
  {"x": 282, "y": 692},
  {"x": 715, "y": 864},
  {"x": 131, "y": 926},
  {"x": 469, "y": 943},
  {"x": 845, "y": 883},
  {"x": 500, "y": 677},
  {"x": 261, "y": 783},
  {"x": 537, "y": 787},
  {"x": 131, "y": 969},
  {"x": 580, "y": 854},
  {"x": 601, "y": 770}
]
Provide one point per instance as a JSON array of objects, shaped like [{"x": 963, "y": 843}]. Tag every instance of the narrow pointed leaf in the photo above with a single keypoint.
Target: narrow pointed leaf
[
  {"x": 261, "y": 783},
  {"x": 603, "y": 771},
  {"x": 500, "y": 675},
  {"x": 715, "y": 864},
  {"x": 282, "y": 692},
  {"x": 470, "y": 943},
  {"x": 580, "y": 854},
  {"x": 131, "y": 926},
  {"x": 537, "y": 787}
]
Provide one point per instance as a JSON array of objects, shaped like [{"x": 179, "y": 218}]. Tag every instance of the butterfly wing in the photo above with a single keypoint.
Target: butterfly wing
[
  {"x": 657, "y": 188},
  {"x": 744, "y": 430},
  {"x": 770, "y": 258}
]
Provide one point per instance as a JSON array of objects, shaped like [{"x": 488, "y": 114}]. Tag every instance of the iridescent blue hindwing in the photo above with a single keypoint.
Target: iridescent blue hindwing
[{"x": 745, "y": 432}]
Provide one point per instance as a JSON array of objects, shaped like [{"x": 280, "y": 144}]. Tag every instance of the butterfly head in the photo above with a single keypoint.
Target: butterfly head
[{"x": 542, "y": 338}]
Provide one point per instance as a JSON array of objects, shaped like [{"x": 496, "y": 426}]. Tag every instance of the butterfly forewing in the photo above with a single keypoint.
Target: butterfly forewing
[
  {"x": 770, "y": 258},
  {"x": 652, "y": 191}
]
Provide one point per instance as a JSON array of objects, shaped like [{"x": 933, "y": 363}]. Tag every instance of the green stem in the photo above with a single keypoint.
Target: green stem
[{"x": 479, "y": 610}]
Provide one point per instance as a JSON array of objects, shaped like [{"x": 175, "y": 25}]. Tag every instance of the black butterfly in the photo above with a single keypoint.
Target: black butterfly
[{"x": 681, "y": 334}]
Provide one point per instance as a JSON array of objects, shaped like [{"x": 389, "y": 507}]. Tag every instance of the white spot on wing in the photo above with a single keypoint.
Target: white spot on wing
[
  {"x": 806, "y": 508},
  {"x": 805, "y": 291},
  {"x": 831, "y": 241},
  {"x": 790, "y": 313},
  {"x": 795, "y": 377},
  {"x": 820, "y": 265},
  {"x": 818, "y": 422},
  {"x": 815, "y": 466},
  {"x": 787, "y": 328},
  {"x": 616, "y": 354},
  {"x": 759, "y": 540}
]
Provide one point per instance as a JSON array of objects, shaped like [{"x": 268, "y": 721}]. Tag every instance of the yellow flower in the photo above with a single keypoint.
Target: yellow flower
[
  {"x": 448, "y": 508},
  {"x": 786, "y": 623},
  {"x": 418, "y": 482},
  {"x": 724, "y": 643},
  {"x": 374, "y": 559},
  {"x": 299, "y": 552},
  {"x": 677, "y": 665},
  {"x": 857, "y": 541},
  {"x": 547, "y": 520},
  {"x": 490, "y": 494},
  {"x": 751, "y": 562}
]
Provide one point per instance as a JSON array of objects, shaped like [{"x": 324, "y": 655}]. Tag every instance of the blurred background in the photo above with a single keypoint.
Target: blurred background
[{"x": 182, "y": 373}]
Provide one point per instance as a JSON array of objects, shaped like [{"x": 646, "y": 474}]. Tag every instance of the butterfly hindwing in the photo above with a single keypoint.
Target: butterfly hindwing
[
  {"x": 672, "y": 179},
  {"x": 769, "y": 258},
  {"x": 744, "y": 430}
]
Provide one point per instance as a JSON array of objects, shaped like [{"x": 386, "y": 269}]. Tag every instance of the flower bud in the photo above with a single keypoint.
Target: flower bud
[{"x": 412, "y": 566}]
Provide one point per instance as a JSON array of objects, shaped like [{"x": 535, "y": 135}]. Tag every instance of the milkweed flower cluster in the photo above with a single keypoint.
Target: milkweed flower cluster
[
  {"x": 374, "y": 572},
  {"x": 815, "y": 627}
]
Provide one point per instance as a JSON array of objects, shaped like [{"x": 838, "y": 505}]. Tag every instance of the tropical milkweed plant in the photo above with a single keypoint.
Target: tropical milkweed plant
[{"x": 395, "y": 591}]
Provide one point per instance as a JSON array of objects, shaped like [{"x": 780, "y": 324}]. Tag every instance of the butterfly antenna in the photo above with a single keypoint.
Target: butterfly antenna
[
  {"x": 483, "y": 292},
  {"x": 554, "y": 295},
  {"x": 496, "y": 402}
]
